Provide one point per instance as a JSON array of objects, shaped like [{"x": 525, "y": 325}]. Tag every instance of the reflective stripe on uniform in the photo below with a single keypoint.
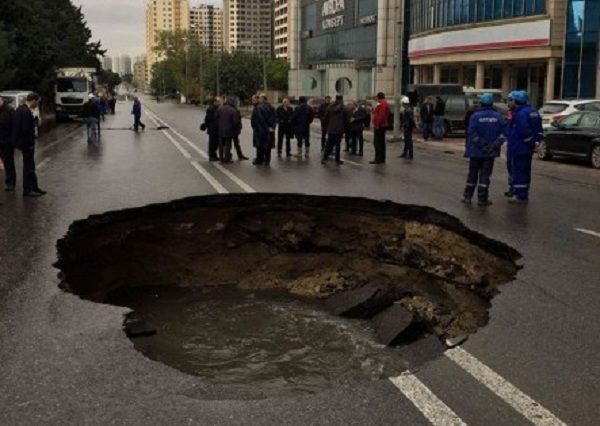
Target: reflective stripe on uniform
[{"x": 520, "y": 186}]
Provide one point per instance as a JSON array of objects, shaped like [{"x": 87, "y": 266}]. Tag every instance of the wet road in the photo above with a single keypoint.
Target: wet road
[{"x": 63, "y": 360}]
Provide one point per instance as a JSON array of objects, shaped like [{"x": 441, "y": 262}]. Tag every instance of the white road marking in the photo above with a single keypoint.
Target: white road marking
[
  {"x": 526, "y": 406},
  {"x": 61, "y": 140},
  {"x": 215, "y": 183},
  {"x": 43, "y": 164},
  {"x": 587, "y": 231},
  {"x": 426, "y": 402},
  {"x": 205, "y": 174},
  {"x": 418, "y": 393},
  {"x": 352, "y": 162},
  {"x": 228, "y": 173}
]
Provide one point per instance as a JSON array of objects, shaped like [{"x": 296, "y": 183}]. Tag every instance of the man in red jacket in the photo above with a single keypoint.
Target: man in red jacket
[{"x": 380, "y": 124}]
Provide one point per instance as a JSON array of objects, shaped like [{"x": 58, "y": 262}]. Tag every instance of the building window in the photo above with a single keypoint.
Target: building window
[{"x": 431, "y": 14}]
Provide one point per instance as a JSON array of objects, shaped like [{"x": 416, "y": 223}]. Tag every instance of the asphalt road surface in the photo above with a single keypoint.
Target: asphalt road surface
[{"x": 67, "y": 361}]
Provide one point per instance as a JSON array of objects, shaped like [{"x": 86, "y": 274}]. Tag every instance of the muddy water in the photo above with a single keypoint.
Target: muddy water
[{"x": 269, "y": 345}]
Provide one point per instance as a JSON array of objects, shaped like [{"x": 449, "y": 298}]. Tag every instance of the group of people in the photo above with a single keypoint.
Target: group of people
[
  {"x": 95, "y": 110},
  {"x": 487, "y": 131},
  {"x": 432, "y": 115},
  {"x": 17, "y": 131}
]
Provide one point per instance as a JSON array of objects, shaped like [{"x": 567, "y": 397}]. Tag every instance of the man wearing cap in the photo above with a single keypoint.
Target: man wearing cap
[
  {"x": 525, "y": 133},
  {"x": 486, "y": 134},
  {"x": 407, "y": 121}
]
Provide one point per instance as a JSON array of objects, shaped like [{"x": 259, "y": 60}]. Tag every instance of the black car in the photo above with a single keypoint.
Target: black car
[{"x": 577, "y": 135}]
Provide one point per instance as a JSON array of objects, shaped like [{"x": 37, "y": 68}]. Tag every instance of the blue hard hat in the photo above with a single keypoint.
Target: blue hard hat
[
  {"x": 486, "y": 99},
  {"x": 521, "y": 97},
  {"x": 511, "y": 96}
]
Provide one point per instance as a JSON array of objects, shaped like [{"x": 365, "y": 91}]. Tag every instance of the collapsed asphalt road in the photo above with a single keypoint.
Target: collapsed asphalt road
[{"x": 66, "y": 360}]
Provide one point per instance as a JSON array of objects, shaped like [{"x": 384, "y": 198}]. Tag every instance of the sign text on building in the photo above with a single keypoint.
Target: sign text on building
[{"x": 332, "y": 7}]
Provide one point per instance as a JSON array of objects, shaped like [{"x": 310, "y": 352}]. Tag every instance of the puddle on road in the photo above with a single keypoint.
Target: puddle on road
[
  {"x": 268, "y": 343},
  {"x": 279, "y": 293}
]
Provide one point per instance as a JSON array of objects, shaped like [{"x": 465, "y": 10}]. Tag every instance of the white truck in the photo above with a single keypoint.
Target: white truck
[{"x": 72, "y": 88}]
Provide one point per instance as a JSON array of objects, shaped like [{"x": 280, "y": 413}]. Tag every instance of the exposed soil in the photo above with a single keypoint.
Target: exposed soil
[{"x": 311, "y": 246}]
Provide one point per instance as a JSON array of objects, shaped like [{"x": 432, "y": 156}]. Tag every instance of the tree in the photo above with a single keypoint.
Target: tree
[
  {"x": 49, "y": 34},
  {"x": 6, "y": 52},
  {"x": 239, "y": 73},
  {"x": 109, "y": 79},
  {"x": 164, "y": 80},
  {"x": 277, "y": 74}
]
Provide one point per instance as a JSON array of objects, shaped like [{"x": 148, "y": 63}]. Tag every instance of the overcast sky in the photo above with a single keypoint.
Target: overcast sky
[{"x": 119, "y": 24}]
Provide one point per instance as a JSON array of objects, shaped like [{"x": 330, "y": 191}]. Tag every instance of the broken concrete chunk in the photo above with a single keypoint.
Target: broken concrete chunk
[
  {"x": 390, "y": 323},
  {"x": 422, "y": 351},
  {"x": 366, "y": 301},
  {"x": 452, "y": 342}
]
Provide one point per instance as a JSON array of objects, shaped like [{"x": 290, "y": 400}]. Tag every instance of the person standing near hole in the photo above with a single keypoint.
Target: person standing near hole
[
  {"x": 301, "y": 118},
  {"x": 212, "y": 129},
  {"x": 322, "y": 113},
  {"x": 486, "y": 134},
  {"x": 337, "y": 124},
  {"x": 137, "y": 114},
  {"x": 24, "y": 140},
  {"x": 381, "y": 117},
  {"x": 284, "y": 127},
  {"x": 227, "y": 120},
  {"x": 7, "y": 150}
]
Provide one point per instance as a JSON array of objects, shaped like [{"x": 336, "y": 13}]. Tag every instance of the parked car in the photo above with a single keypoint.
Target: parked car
[
  {"x": 577, "y": 135},
  {"x": 16, "y": 98},
  {"x": 558, "y": 109}
]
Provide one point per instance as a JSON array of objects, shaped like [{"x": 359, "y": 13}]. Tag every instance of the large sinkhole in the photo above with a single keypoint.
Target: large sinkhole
[{"x": 270, "y": 294}]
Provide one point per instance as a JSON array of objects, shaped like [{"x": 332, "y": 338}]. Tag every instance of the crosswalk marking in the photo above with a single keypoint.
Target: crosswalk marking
[
  {"x": 438, "y": 413},
  {"x": 522, "y": 403}
]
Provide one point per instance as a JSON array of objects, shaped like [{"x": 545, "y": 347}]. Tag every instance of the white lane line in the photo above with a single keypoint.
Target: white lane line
[
  {"x": 352, "y": 162},
  {"x": 228, "y": 173},
  {"x": 426, "y": 402},
  {"x": 61, "y": 140},
  {"x": 43, "y": 164},
  {"x": 209, "y": 178},
  {"x": 587, "y": 231},
  {"x": 526, "y": 406},
  {"x": 215, "y": 183}
]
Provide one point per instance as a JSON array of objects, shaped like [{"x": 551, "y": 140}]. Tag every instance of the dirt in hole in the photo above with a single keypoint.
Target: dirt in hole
[{"x": 409, "y": 268}]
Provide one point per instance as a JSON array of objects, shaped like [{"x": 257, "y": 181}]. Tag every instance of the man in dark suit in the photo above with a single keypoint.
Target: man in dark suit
[
  {"x": 301, "y": 119},
  {"x": 337, "y": 124},
  {"x": 7, "y": 150},
  {"x": 24, "y": 140},
  {"x": 211, "y": 127},
  {"x": 228, "y": 121},
  {"x": 284, "y": 127}
]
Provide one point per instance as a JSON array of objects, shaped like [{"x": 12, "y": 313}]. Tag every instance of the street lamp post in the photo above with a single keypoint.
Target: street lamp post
[{"x": 399, "y": 67}]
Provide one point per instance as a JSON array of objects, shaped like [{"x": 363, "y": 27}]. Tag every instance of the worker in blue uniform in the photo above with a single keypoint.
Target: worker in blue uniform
[
  {"x": 486, "y": 133},
  {"x": 525, "y": 133},
  {"x": 511, "y": 110}
]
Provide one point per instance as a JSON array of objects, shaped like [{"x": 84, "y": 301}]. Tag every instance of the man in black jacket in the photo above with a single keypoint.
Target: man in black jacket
[
  {"x": 337, "y": 123},
  {"x": 228, "y": 122},
  {"x": 301, "y": 119},
  {"x": 356, "y": 127},
  {"x": 24, "y": 140},
  {"x": 284, "y": 127},
  {"x": 7, "y": 150},
  {"x": 211, "y": 127},
  {"x": 323, "y": 118},
  {"x": 427, "y": 118}
]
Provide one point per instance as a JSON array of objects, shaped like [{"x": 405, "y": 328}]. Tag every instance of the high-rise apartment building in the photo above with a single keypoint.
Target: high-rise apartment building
[
  {"x": 107, "y": 63},
  {"x": 206, "y": 22},
  {"x": 140, "y": 73},
  {"x": 282, "y": 24},
  {"x": 247, "y": 26},
  {"x": 124, "y": 65},
  {"x": 163, "y": 15}
]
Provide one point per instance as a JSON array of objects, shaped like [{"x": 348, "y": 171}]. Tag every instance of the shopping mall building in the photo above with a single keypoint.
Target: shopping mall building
[
  {"x": 548, "y": 47},
  {"x": 345, "y": 47}
]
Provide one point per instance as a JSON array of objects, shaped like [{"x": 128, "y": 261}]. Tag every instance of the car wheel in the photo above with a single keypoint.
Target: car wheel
[
  {"x": 543, "y": 151},
  {"x": 595, "y": 157}
]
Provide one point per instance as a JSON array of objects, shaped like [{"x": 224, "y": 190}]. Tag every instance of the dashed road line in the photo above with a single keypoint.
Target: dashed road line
[
  {"x": 588, "y": 232},
  {"x": 526, "y": 406},
  {"x": 426, "y": 401}
]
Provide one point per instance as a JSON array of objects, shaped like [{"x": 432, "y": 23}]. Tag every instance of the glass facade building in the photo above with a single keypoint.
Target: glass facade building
[
  {"x": 580, "y": 63},
  {"x": 431, "y": 14}
]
